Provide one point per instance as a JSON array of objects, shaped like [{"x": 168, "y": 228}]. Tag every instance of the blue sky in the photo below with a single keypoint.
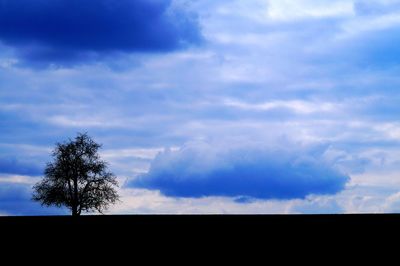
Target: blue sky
[{"x": 241, "y": 106}]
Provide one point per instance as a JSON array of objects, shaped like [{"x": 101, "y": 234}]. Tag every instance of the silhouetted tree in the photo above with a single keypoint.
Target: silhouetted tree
[{"x": 77, "y": 178}]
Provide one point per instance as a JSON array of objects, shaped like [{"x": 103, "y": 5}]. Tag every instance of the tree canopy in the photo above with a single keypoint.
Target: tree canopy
[{"x": 77, "y": 178}]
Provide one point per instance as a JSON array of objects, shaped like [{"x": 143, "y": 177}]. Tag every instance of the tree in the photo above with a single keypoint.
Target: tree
[{"x": 77, "y": 178}]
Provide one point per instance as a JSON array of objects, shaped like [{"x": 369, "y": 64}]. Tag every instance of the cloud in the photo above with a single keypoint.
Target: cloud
[
  {"x": 376, "y": 7},
  {"x": 371, "y": 44},
  {"x": 301, "y": 107},
  {"x": 311, "y": 71},
  {"x": 15, "y": 166},
  {"x": 317, "y": 205},
  {"x": 284, "y": 10},
  {"x": 69, "y": 31},
  {"x": 15, "y": 199},
  {"x": 143, "y": 201},
  {"x": 201, "y": 170}
]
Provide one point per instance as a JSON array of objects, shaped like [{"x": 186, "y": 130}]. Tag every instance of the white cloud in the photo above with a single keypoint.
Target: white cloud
[
  {"x": 140, "y": 201},
  {"x": 298, "y": 106},
  {"x": 365, "y": 25},
  {"x": 149, "y": 153},
  {"x": 390, "y": 130},
  {"x": 392, "y": 204},
  {"x": 85, "y": 122},
  {"x": 18, "y": 179},
  {"x": 286, "y": 10}
]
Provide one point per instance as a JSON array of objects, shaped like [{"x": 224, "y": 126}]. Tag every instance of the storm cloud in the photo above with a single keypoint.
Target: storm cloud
[
  {"x": 65, "y": 31},
  {"x": 202, "y": 170}
]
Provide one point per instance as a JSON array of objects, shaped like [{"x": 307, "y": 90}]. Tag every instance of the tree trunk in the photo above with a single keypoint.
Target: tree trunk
[
  {"x": 76, "y": 200},
  {"x": 75, "y": 211}
]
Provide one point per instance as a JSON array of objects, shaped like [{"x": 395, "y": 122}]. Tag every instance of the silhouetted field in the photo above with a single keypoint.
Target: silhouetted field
[
  {"x": 205, "y": 225},
  {"x": 203, "y": 237}
]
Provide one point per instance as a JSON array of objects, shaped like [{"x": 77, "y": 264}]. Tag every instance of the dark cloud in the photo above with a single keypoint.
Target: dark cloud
[
  {"x": 241, "y": 173},
  {"x": 66, "y": 31},
  {"x": 14, "y": 166},
  {"x": 15, "y": 199}
]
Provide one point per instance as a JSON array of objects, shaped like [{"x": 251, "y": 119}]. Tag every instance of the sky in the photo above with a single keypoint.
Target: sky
[{"x": 207, "y": 106}]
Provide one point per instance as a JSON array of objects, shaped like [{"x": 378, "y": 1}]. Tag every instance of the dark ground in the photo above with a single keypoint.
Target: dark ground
[
  {"x": 358, "y": 224},
  {"x": 160, "y": 236}
]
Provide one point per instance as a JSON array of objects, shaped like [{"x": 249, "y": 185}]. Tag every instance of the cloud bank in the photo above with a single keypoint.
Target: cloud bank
[
  {"x": 64, "y": 31},
  {"x": 202, "y": 170},
  {"x": 14, "y": 166},
  {"x": 15, "y": 199}
]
